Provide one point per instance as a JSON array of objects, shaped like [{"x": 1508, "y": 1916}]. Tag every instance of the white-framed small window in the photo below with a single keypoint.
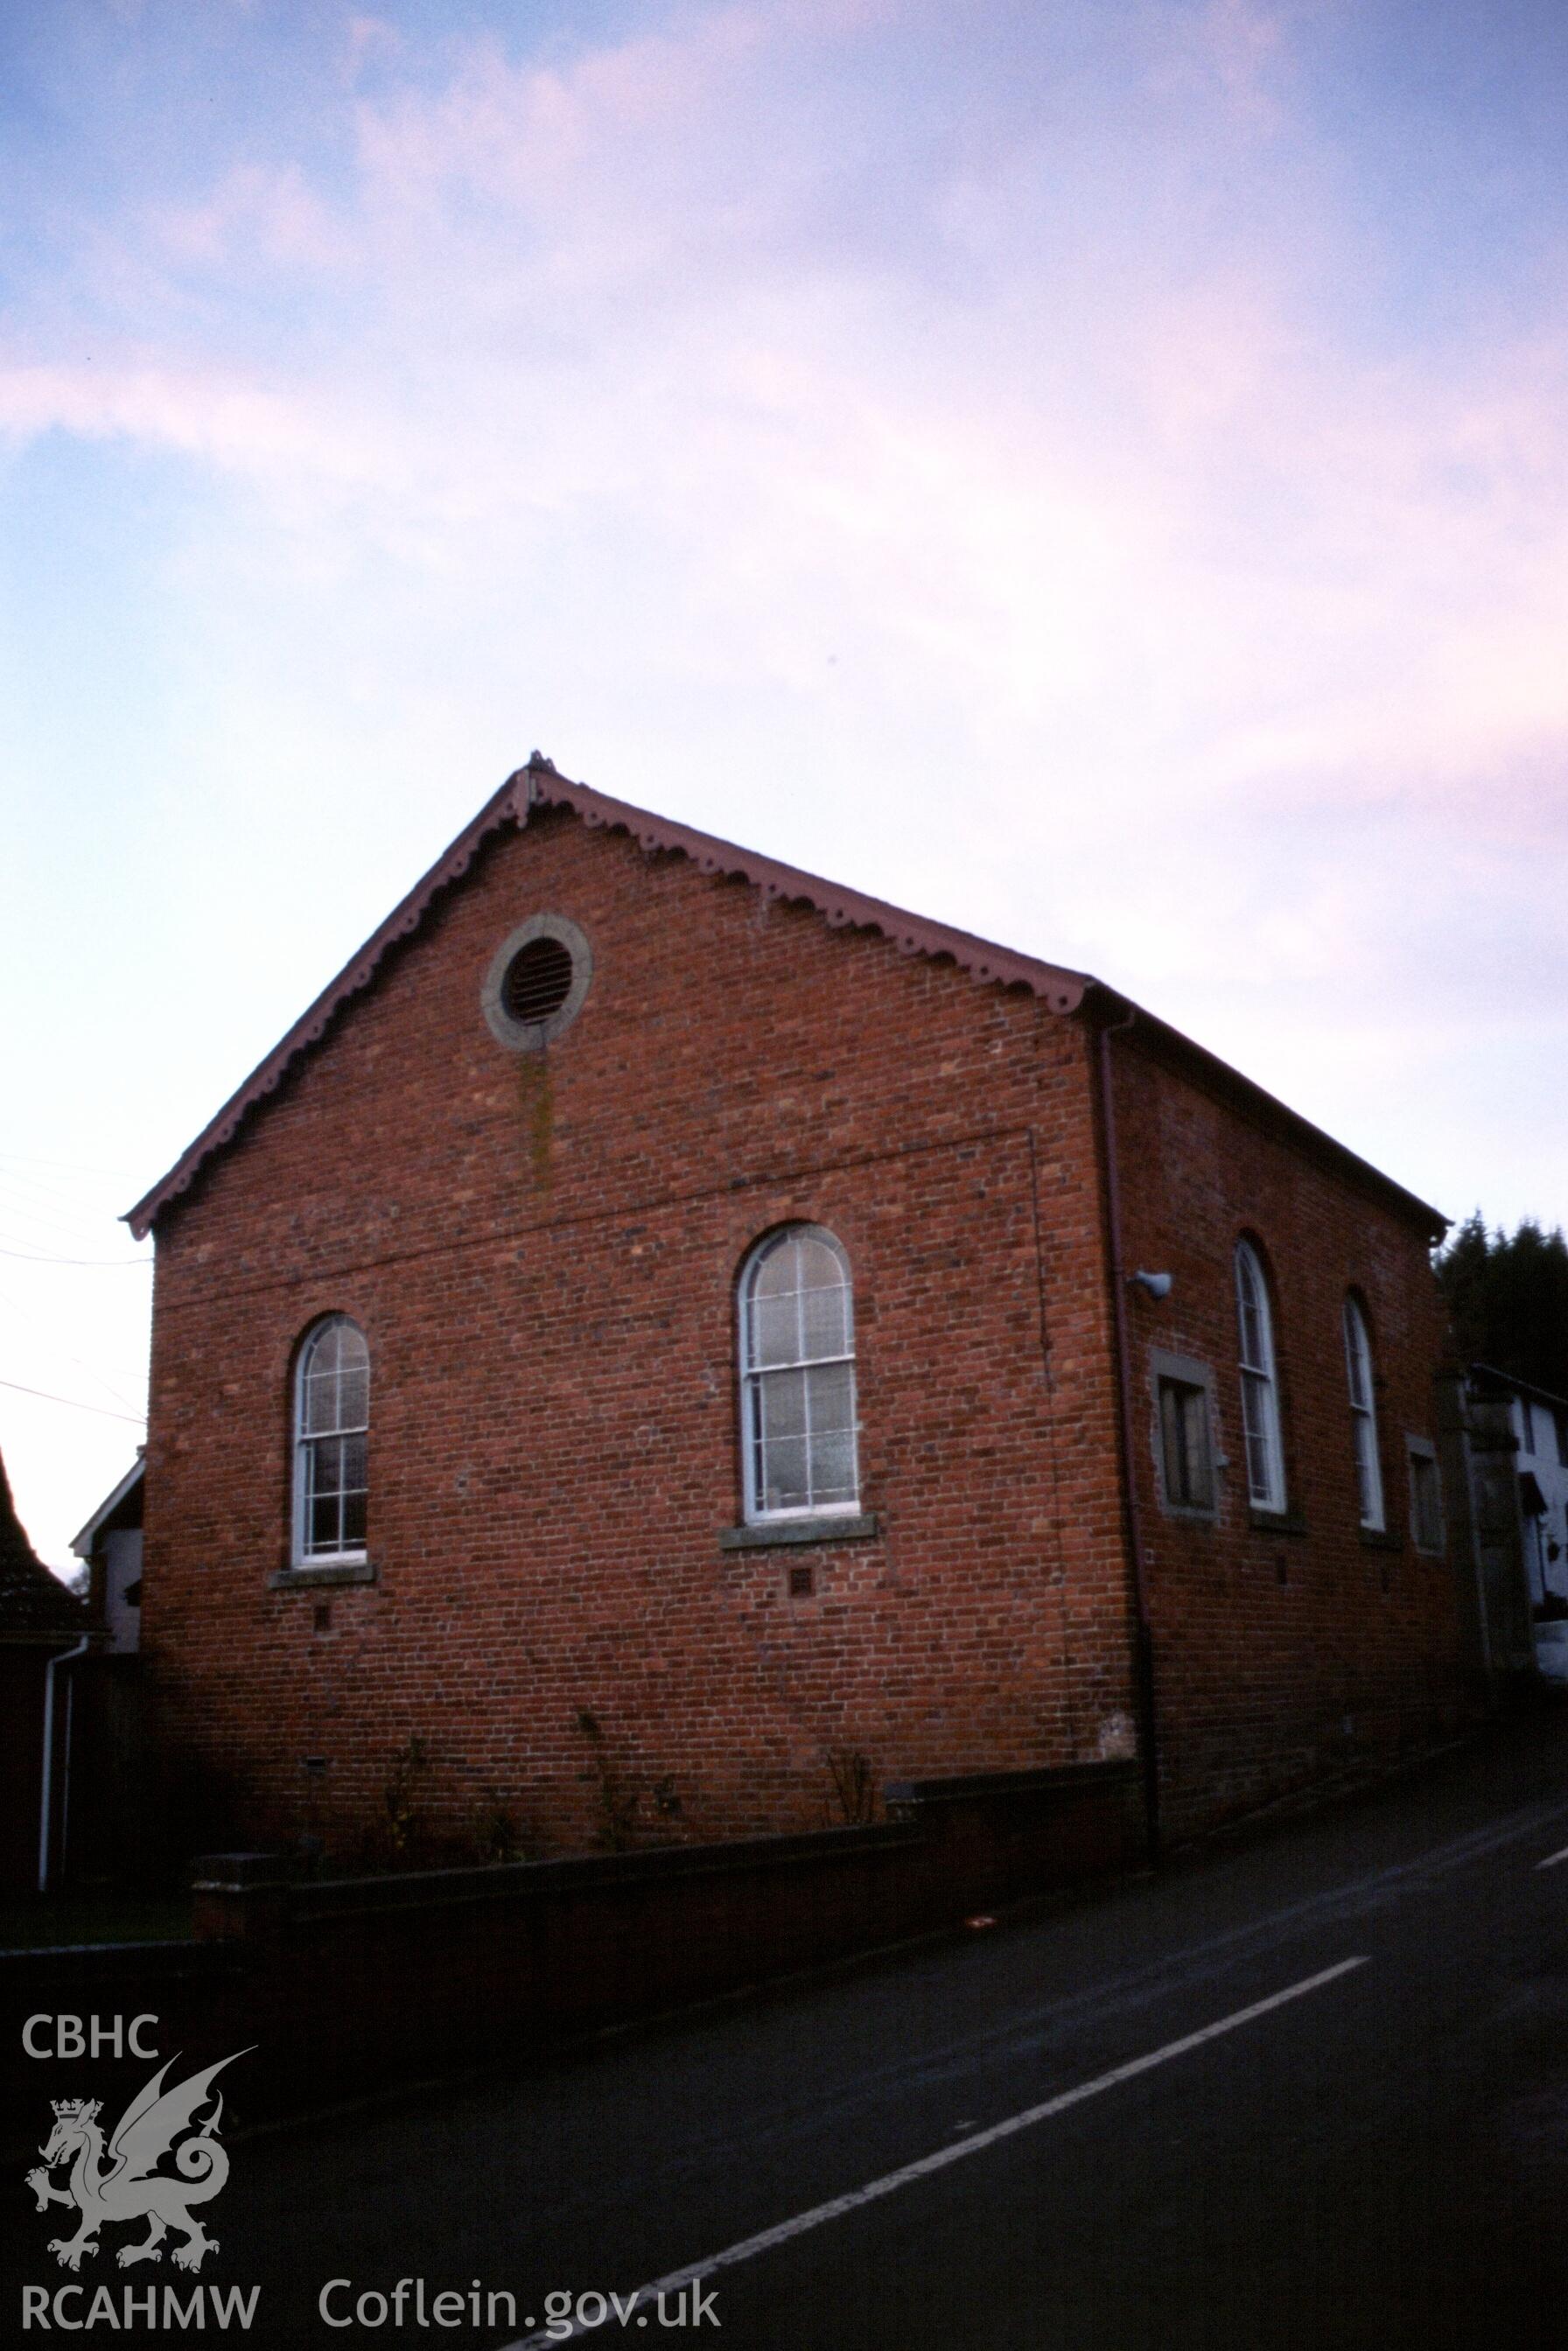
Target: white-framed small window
[
  {"x": 1426, "y": 1496},
  {"x": 331, "y": 1435},
  {"x": 1363, "y": 1416},
  {"x": 1260, "y": 1382},
  {"x": 798, "y": 1377}
]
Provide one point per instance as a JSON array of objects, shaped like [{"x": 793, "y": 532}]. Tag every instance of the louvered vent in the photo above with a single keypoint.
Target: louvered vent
[{"x": 538, "y": 981}]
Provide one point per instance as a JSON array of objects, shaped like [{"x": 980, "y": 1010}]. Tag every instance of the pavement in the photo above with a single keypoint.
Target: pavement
[{"x": 1307, "y": 2093}]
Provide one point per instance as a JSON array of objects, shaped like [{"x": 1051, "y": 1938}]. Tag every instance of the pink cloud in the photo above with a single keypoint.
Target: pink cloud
[
  {"x": 210, "y": 413},
  {"x": 271, "y": 212},
  {"x": 1110, "y": 510},
  {"x": 1241, "y": 47}
]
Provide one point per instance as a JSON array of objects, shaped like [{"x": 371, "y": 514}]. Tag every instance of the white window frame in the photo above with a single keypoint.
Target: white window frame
[
  {"x": 306, "y": 1443},
  {"x": 1261, "y": 1442},
  {"x": 1421, "y": 1449},
  {"x": 753, "y": 1377},
  {"x": 1362, "y": 1416}
]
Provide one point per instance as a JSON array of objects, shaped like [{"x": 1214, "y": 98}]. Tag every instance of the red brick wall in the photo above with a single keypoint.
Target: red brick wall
[
  {"x": 1279, "y": 1656},
  {"x": 545, "y": 1272}
]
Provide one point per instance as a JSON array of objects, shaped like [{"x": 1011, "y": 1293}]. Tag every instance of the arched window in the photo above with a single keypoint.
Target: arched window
[
  {"x": 331, "y": 1421},
  {"x": 1260, "y": 1383},
  {"x": 1362, "y": 1416},
  {"x": 798, "y": 1376}
]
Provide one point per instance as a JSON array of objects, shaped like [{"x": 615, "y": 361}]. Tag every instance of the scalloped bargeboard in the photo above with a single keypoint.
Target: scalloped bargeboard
[{"x": 540, "y": 785}]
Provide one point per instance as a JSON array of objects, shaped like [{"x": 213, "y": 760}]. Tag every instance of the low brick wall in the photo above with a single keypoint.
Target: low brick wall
[
  {"x": 355, "y": 1983},
  {"x": 1003, "y": 1834}
]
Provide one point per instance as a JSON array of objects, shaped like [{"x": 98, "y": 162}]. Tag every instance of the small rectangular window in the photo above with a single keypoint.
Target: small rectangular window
[
  {"x": 1187, "y": 1457},
  {"x": 1426, "y": 1498},
  {"x": 1526, "y": 1433}
]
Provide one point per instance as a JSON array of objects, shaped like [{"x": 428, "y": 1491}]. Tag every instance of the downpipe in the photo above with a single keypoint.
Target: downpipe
[
  {"x": 1142, "y": 1634},
  {"x": 46, "y": 1801}
]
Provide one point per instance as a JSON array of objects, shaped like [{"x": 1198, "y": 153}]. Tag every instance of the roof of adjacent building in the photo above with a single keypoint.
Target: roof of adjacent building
[
  {"x": 33, "y": 1602},
  {"x": 120, "y": 1507},
  {"x": 540, "y": 785},
  {"x": 1488, "y": 1377}
]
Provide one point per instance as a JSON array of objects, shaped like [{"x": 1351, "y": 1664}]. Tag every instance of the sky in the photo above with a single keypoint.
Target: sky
[{"x": 1089, "y": 471}]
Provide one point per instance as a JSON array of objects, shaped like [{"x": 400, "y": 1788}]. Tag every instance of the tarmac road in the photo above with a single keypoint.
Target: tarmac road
[{"x": 1313, "y": 2093}]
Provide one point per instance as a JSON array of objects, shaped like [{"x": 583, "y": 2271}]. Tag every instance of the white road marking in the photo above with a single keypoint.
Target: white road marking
[
  {"x": 1553, "y": 1858},
  {"x": 837, "y": 2206}
]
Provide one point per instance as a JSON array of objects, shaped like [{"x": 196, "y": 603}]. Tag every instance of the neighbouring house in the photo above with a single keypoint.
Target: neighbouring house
[
  {"x": 115, "y": 1834},
  {"x": 110, "y": 1546},
  {"x": 43, "y": 1630},
  {"x": 1541, "y": 1422},
  {"x": 1514, "y": 1487},
  {"x": 668, "y": 1346}
]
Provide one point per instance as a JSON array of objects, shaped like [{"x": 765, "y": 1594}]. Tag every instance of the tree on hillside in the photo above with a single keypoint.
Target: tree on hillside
[{"x": 1508, "y": 1297}]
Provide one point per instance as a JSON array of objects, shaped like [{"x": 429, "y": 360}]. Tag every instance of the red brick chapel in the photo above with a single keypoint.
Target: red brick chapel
[{"x": 667, "y": 1346}]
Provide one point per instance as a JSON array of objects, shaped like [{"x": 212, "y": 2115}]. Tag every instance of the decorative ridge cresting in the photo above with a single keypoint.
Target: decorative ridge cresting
[{"x": 542, "y": 785}]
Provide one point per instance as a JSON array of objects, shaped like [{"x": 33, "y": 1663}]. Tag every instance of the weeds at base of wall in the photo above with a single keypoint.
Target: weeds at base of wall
[
  {"x": 495, "y": 1835},
  {"x": 617, "y": 1802},
  {"x": 854, "y": 1777},
  {"x": 399, "y": 1794}
]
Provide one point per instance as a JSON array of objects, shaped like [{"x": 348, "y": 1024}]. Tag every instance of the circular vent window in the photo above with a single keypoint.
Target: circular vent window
[{"x": 537, "y": 982}]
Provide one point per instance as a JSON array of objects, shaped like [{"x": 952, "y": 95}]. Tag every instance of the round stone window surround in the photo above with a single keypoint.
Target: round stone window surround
[{"x": 533, "y": 1036}]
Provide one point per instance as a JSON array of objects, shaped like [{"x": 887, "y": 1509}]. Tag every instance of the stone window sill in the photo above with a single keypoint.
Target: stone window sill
[
  {"x": 770, "y": 1534},
  {"x": 1277, "y": 1522},
  {"x": 315, "y": 1578},
  {"x": 1190, "y": 1514}
]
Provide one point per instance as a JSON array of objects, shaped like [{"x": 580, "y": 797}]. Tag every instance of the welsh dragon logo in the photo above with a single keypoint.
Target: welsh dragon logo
[{"x": 130, "y": 2187}]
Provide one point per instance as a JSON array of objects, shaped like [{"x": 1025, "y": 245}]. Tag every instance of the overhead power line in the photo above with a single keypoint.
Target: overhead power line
[
  {"x": 137, "y": 1419},
  {"x": 50, "y": 1206},
  {"x": 72, "y": 1166},
  {"x": 32, "y": 1257},
  {"x": 64, "y": 1354}
]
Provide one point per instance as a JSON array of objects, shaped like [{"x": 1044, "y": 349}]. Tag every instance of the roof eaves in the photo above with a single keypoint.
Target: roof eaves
[
  {"x": 1489, "y": 1371},
  {"x": 82, "y": 1543},
  {"x": 1235, "y": 1084}
]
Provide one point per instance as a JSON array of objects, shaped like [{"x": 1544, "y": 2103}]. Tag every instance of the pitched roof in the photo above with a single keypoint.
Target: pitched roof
[
  {"x": 538, "y": 786},
  {"x": 32, "y": 1601},
  {"x": 1488, "y": 1377},
  {"x": 121, "y": 1506}
]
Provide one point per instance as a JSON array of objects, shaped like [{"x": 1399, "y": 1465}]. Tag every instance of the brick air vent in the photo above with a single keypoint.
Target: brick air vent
[{"x": 539, "y": 980}]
